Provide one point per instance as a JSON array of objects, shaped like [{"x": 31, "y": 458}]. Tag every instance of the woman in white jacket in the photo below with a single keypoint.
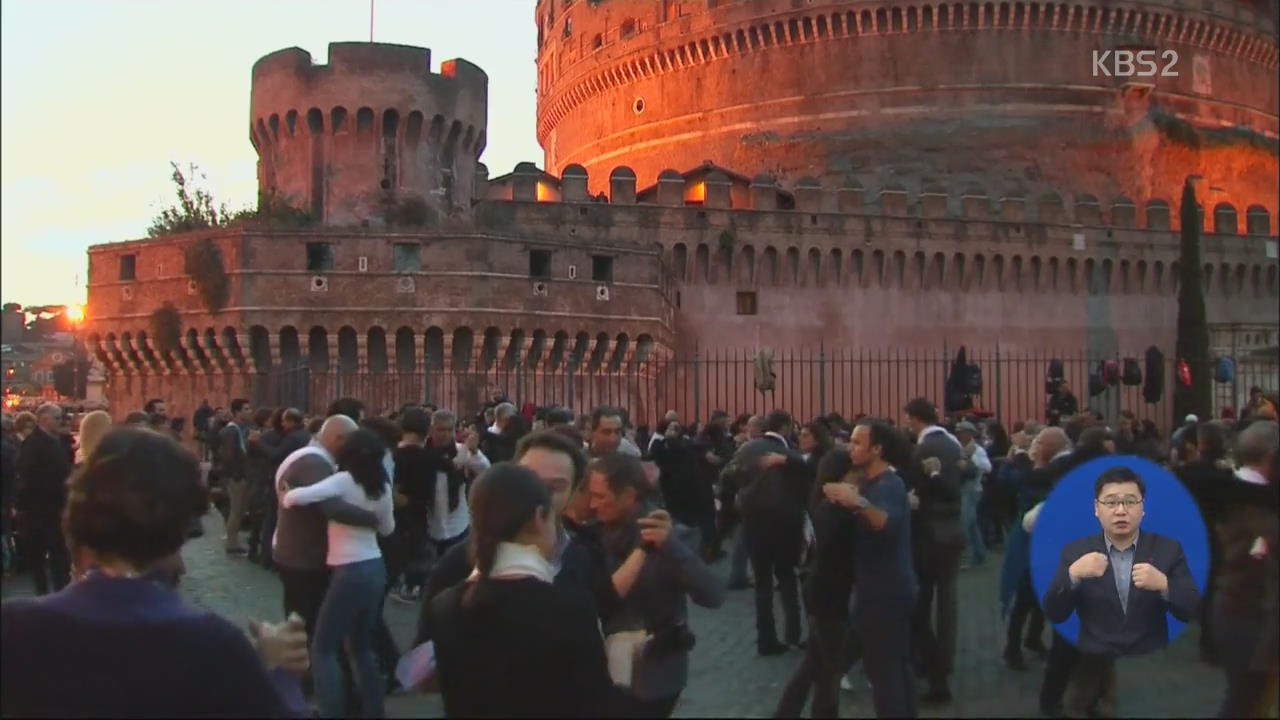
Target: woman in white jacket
[{"x": 351, "y": 606}]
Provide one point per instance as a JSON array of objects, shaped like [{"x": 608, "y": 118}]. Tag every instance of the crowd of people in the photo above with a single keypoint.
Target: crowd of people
[{"x": 553, "y": 555}]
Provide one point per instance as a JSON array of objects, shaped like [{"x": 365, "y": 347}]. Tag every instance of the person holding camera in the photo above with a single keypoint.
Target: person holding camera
[{"x": 653, "y": 568}]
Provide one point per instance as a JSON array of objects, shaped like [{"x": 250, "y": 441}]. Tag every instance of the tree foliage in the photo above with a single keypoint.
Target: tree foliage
[
  {"x": 1193, "y": 324},
  {"x": 196, "y": 208}
]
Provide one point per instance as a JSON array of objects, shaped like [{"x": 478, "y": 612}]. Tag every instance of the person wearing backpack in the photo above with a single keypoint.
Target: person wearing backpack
[{"x": 1062, "y": 404}]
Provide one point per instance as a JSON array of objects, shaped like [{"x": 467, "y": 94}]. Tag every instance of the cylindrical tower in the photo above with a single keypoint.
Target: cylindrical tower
[
  {"x": 372, "y": 136},
  {"x": 1025, "y": 97}
]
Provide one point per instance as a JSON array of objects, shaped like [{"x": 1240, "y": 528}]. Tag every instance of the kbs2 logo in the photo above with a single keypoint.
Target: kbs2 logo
[{"x": 1128, "y": 63}]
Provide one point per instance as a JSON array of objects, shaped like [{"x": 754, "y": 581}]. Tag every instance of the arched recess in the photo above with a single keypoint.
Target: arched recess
[
  {"x": 318, "y": 349},
  {"x": 512, "y": 358},
  {"x": 917, "y": 270},
  {"x": 1037, "y": 274},
  {"x": 834, "y": 275},
  {"x": 769, "y": 265},
  {"x": 537, "y": 347},
  {"x": 879, "y": 270},
  {"x": 1073, "y": 276},
  {"x": 489, "y": 348},
  {"x": 260, "y": 348},
  {"x": 1257, "y": 220},
  {"x": 975, "y": 279},
  {"x": 348, "y": 350},
  {"x": 1224, "y": 219},
  {"x": 747, "y": 266},
  {"x": 145, "y": 352},
  {"x": 723, "y": 268},
  {"x": 598, "y": 352},
  {"x": 216, "y": 355},
  {"x": 997, "y": 272},
  {"x": 376, "y": 348},
  {"x": 791, "y": 275},
  {"x": 191, "y": 343},
  {"x": 559, "y": 351},
  {"x": 231, "y": 346},
  {"x": 813, "y": 270},
  {"x": 1157, "y": 215},
  {"x": 290, "y": 347},
  {"x": 644, "y": 349},
  {"x": 680, "y": 262},
  {"x": 405, "y": 350},
  {"x": 434, "y": 349},
  {"x": 856, "y": 262},
  {"x": 619, "y": 352},
  {"x": 581, "y": 346},
  {"x": 954, "y": 279},
  {"x": 701, "y": 265},
  {"x": 463, "y": 343}
]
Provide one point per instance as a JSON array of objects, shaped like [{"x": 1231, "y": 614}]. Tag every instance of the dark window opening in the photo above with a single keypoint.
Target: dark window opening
[
  {"x": 540, "y": 264},
  {"x": 408, "y": 257},
  {"x": 746, "y": 303},
  {"x": 602, "y": 268},
  {"x": 128, "y": 267},
  {"x": 319, "y": 257}
]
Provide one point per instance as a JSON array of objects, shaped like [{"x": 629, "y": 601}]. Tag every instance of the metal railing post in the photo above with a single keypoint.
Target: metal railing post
[
  {"x": 822, "y": 381},
  {"x": 697, "y": 388}
]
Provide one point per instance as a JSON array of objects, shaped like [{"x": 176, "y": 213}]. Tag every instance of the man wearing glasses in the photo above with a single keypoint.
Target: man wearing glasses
[{"x": 1120, "y": 583}]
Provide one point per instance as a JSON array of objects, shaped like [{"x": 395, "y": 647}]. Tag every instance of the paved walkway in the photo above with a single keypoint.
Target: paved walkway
[{"x": 729, "y": 679}]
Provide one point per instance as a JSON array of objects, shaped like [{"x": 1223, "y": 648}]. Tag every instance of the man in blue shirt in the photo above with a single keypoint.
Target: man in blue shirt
[{"x": 886, "y": 581}]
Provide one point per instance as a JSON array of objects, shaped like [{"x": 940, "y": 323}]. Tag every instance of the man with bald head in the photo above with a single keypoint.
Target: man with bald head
[{"x": 301, "y": 541}]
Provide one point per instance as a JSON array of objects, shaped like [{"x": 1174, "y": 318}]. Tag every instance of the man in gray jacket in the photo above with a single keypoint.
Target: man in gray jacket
[
  {"x": 233, "y": 469},
  {"x": 937, "y": 464},
  {"x": 301, "y": 543}
]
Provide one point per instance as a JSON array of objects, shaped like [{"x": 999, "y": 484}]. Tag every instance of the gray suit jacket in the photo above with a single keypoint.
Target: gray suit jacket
[{"x": 232, "y": 452}]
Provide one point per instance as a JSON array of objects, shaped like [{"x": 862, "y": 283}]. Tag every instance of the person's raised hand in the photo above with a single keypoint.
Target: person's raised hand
[
  {"x": 282, "y": 646},
  {"x": 1089, "y": 565},
  {"x": 932, "y": 466},
  {"x": 1147, "y": 577},
  {"x": 655, "y": 528}
]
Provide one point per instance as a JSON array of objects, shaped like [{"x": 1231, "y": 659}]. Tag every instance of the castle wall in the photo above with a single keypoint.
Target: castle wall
[{"x": 999, "y": 94}]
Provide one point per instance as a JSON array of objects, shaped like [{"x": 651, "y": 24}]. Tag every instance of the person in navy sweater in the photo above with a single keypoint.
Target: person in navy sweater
[{"x": 119, "y": 641}]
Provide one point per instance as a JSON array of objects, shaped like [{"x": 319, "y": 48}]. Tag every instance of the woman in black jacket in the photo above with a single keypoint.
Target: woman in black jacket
[{"x": 508, "y": 642}]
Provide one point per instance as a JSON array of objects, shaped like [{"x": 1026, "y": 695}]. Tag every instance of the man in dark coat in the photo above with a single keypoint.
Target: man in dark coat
[
  {"x": 43, "y": 467},
  {"x": 774, "y": 481}
]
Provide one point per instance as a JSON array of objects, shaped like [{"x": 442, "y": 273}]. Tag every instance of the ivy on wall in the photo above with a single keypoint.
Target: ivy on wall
[
  {"x": 203, "y": 262},
  {"x": 166, "y": 329}
]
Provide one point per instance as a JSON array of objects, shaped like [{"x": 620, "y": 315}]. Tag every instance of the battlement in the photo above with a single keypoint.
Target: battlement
[
  {"x": 371, "y": 136},
  {"x": 714, "y": 188}
]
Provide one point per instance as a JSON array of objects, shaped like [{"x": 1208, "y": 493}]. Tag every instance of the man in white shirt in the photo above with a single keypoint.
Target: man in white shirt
[
  {"x": 975, "y": 467},
  {"x": 455, "y": 466}
]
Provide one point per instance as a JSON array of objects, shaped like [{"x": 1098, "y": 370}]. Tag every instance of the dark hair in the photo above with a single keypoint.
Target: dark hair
[
  {"x": 894, "y": 448},
  {"x": 570, "y": 432},
  {"x": 1092, "y": 441},
  {"x": 923, "y": 410},
  {"x": 777, "y": 421},
  {"x": 348, "y": 406},
  {"x": 293, "y": 415},
  {"x": 833, "y": 466},
  {"x": 605, "y": 411},
  {"x": 556, "y": 441},
  {"x": 1118, "y": 474},
  {"x": 262, "y": 417},
  {"x": 503, "y": 500},
  {"x": 719, "y": 415},
  {"x": 237, "y": 405},
  {"x": 277, "y": 420},
  {"x": 156, "y": 420},
  {"x": 314, "y": 425},
  {"x": 1212, "y": 438},
  {"x": 386, "y": 430},
  {"x": 1000, "y": 441},
  {"x": 150, "y": 407},
  {"x": 361, "y": 455},
  {"x": 134, "y": 497},
  {"x": 821, "y": 435},
  {"x": 622, "y": 472},
  {"x": 559, "y": 416},
  {"x": 415, "y": 420},
  {"x": 137, "y": 418}
]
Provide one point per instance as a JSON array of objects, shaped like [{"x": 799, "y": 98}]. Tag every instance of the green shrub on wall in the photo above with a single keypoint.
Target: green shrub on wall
[
  {"x": 204, "y": 265},
  {"x": 166, "y": 329}
]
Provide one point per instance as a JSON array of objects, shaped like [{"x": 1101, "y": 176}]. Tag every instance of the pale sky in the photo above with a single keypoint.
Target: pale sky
[{"x": 99, "y": 95}]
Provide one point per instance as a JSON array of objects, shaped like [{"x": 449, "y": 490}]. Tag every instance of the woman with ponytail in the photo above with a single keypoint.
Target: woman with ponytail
[
  {"x": 508, "y": 642},
  {"x": 352, "y": 605}
]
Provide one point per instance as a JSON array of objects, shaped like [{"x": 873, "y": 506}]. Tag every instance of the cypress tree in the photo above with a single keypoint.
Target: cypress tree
[{"x": 1193, "y": 325}]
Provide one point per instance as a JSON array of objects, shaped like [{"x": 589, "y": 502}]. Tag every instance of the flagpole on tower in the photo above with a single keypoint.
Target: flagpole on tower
[{"x": 371, "y": 20}]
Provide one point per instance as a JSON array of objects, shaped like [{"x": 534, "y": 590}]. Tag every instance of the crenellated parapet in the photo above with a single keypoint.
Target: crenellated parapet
[{"x": 373, "y": 136}]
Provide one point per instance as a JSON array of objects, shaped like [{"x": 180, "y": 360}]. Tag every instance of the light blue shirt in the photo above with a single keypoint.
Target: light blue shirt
[{"x": 1122, "y": 568}]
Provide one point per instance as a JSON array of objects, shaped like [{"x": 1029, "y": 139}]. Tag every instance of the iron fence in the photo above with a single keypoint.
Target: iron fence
[{"x": 807, "y": 382}]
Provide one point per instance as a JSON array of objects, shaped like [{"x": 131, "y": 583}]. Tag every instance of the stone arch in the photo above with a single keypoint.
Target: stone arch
[
  {"x": 598, "y": 351},
  {"x": 364, "y": 121},
  {"x": 260, "y": 348},
  {"x": 954, "y": 278},
  {"x": 315, "y": 122},
  {"x": 1073, "y": 276},
  {"x": 291, "y": 123},
  {"x": 1224, "y": 219},
  {"x": 997, "y": 272},
  {"x": 1140, "y": 276},
  {"x": 747, "y": 266},
  {"x": 274, "y": 123},
  {"x": 1126, "y": 279},
  {"x": 680, "y": 261},
  {"x": 877, "y": 276},
  {"x": 813, "y": 273},
  {"x": 489, "y": 348},
  {"x": 1123, "y": 213},
  {"x": 1053, "y": 279},
  {"x": 511, "y": 360},
  {"x": 413, "y": 128},
  {"x": 620, "y": 346},
  {"x": 917, "y": 270},
  {"x": 644, "y": 349},
  {"x": 376, "y": 349},
  {"x": 1106, "y": 277},
  {"x": 1257, "y": 220},
  {"x": 791, "y": 275},
  {"x": 290, "y": 347},
  {"x": 449, "y": 151},
  {"x": 559, "y": 349},
  {"x": 145, "y": 352},
  {"x": 318, "y": 349},
  {"x": 1015, "y": 273},
  {"x": 769, "y": 265},
  {"x": 1157, "y": 214},
  {"x": 834, "y": 275},
  {"x": 856, "y": 263},
  {"x": 463, "y": 345},
  {"x": 975, "y": 279},
  {"x": 702, "y": 265},
  {"x": 435, "y": 132},
  {"x": 1157, "y": 277},
  {"x": 338, "y": 120},
  {"x": 263, "y": 137},
  {"x": 578, "y": 350},
  {"x": 1036, "y": 283},
  {"x": 405, "y": 350},
  {"x": 348, "y": 350},
  {"x": 433, "y": 354},
  {"x": 230, "y": 345},
  {"x": 537, "y": 348},
  {"x": 898, "y": 273},
  {"x": 723, "y": 269},
  {"x": 935, "y": 272}
]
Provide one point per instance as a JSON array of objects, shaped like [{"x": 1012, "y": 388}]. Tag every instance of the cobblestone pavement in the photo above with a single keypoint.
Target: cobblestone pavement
[{"x": 729, "y": 679}]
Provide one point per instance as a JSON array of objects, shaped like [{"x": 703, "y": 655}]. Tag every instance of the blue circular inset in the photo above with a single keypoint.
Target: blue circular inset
[{"x": 1067, "y": 516}]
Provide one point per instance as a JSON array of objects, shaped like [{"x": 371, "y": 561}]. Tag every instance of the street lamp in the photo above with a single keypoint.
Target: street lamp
[{"x": 75, "y": 315}]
